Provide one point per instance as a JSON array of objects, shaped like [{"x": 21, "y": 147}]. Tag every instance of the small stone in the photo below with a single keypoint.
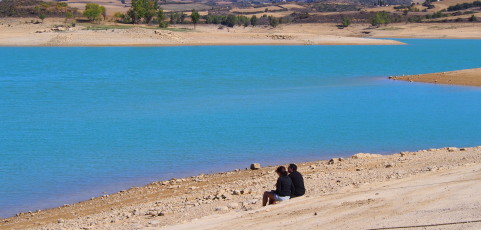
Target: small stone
[
  {"x": 255, "y": 166},
  {"x": 233, "y": 205},
  {"x": 431, "y": 168},
  {"x": 154, "y": 222},
  {"x": 452, "y": 149},
  {"x": 236, "y": 192},
  {"x": 60, "y": 221},
  {"x": 333, "y": 161},
  {"x": 388, "y": 166},
  {"x": 135, "y": 212},
  {"x": 222, "y": 208}
]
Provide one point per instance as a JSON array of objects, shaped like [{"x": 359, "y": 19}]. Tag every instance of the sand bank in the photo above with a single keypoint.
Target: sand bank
[
  {"x": 468, "y": 77},
  {"x": 371, "y": 191}
]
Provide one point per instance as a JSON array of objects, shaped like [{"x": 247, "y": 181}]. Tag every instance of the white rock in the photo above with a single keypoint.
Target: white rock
[
  {"x": 255, "y": 166},
  {"x": 365, "y": 155},
  {"x": 222, "y": 208},
  {"x": 233, "y": 205}
]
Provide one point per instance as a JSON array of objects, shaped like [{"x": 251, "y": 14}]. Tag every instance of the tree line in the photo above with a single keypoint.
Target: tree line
[{"x": 464, "y": 6}]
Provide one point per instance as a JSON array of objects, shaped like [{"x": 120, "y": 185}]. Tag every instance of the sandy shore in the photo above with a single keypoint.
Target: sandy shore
[
  {"x": 435, "y": 186},
  {"x": 468, "y": 77},
  {"x": 20, "y": 32},
  {"x": 56, "y": 32}
]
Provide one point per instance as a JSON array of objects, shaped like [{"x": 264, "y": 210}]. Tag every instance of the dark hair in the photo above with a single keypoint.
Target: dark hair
[
  {"x": 293, "y": 167},
  {"x": 281, "y": 170}
]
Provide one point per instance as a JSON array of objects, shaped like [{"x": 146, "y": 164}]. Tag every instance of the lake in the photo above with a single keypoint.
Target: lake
[{"x": 79, "y": 121}]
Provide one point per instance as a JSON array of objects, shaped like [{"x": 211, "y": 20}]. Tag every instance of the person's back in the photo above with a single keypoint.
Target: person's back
[
  {"x": 284, "y": 186},
  {"x": 297, "y": 181}
]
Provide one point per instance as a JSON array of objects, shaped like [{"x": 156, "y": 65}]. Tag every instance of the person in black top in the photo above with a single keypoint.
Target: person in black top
[
  {"x": 284, "y": 188},
  {"x": 297, "y": 180}
]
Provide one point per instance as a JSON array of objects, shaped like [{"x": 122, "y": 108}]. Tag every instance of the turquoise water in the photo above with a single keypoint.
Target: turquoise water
[{"x": 76, "y": 122}]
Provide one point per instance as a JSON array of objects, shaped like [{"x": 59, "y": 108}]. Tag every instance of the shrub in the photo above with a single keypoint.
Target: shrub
[
  {"x": 380, "y": 18},
  {"x": 42, "y": 16},
  {"x": 473, "y": 18},
  {"x": 273, "y": 21},
  {"x": 230, "y": 21},
  {"x": 345, "y": 22},
  {"x": 253, "y": 20},
  {"x": 161, "y": 19}
]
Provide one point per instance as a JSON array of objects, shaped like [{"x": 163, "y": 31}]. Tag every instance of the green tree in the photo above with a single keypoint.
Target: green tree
[
  {"x": 230, "y": 21},
  {"x": 151, "y": 10},
  {"x": 174, "y": 18},
  {"x": 273, "y": 21},
  {"x": 143, "y": 9},
  {"x": 93, "y": 11},
  {"x": 62, "y": 6},
  {"x": 254, "y": 20},
  {"x": 161, "y": 17},
  {"x": 345, "y": 21},
  {"x": 118, "y": 16},
  {"x": 195, "y": 16}
]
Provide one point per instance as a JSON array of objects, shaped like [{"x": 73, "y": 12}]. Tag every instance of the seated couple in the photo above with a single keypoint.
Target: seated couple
[{"x": 289, "y": 185}]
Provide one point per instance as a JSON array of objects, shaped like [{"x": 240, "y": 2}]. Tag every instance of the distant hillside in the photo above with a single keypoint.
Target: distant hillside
[{"x": 34, "y": 8}]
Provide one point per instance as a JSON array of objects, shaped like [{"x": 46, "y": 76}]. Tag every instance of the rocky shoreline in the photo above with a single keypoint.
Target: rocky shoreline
[{"x": 182, "y": 200}]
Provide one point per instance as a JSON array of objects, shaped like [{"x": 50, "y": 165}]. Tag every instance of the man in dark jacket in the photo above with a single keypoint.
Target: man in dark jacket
[{"x": 297, "y": 180}]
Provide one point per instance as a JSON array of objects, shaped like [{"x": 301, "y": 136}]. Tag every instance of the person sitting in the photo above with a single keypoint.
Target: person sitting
[
  {"x": 297, "y": 180},
  {"x": 284, "y": 188}
]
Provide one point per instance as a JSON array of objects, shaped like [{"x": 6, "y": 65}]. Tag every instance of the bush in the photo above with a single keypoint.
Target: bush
[
  {"x": 253, "y": 20},
  {"x": 42, "y": 16},
  {"x": 473, "y": 18},
  {"x": 381, "y": 18},
  {"x": 69, "y": 15},
  {"x": 273, "y": 21},
  {"x": 415, "y": 19},
  {"x": 161, "y": 19},
  {"x": 230, "y": 21},
  {"x": 345, "y": 22}
]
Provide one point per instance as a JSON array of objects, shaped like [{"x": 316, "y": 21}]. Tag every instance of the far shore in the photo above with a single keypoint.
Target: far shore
[
  {"x": 57, "y": 32},
  {"x": 402, "y": 189},
  {"x": 468, "y": 77}
]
